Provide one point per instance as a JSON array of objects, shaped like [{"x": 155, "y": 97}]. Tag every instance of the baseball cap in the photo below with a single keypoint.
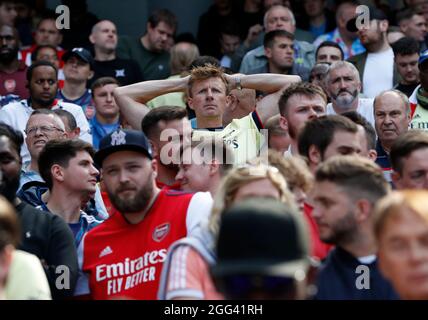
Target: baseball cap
[
  {"x": 423, "y": 57},
  {"x": 123, "y": 140},
  {"x": 264, "y": 237},
  {"x": 80, "y": 53},
  {"x": 374, "y": 14}
]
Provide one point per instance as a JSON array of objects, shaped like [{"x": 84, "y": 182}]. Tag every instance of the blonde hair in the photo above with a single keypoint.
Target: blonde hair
[
  {"x": 392, "y": 206},
  {"x": 206, "y": 72},
  {"x": 294, "y": 170},
  {"x": 239, "y": 177},
  {"x": 182, "y": 56}
]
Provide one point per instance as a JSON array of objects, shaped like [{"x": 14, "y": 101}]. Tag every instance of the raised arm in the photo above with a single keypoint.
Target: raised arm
[
  {"x": 270, "y": 83},
  {"x": 132, "y": 99}
]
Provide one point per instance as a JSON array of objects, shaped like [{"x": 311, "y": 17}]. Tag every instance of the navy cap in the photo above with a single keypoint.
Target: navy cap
[
  {"x": 374, "y": 14},
  {"x": 423, "y": 57},
  {"x": 80, "y": 53},
  {"x": 123, "y": 140}
]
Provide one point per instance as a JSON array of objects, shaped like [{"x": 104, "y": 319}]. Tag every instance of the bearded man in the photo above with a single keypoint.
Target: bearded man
[
  {"x": 343, "y": 85},
  {"x": 123, "y": 257}
]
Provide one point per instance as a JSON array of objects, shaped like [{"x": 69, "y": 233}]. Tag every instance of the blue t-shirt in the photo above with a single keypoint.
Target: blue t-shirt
[
  {"x": 317, "y": 31},
  {"x": 99, "y": 131}
]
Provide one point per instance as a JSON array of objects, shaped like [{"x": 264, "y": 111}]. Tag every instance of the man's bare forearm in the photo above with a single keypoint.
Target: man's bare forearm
[
  {"x": 267, "y": 82},
  {"x": 131, "y": 99},
  {"x": 147, "y": 90}
]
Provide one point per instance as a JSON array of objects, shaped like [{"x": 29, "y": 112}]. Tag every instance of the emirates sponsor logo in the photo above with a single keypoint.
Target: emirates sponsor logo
[
  {"x": 161, "y": 232},
  {"x": 129, "y": 273}
]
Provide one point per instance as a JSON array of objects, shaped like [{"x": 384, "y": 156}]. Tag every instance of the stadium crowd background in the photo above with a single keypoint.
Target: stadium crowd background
[{"x": 279, "y": 152}]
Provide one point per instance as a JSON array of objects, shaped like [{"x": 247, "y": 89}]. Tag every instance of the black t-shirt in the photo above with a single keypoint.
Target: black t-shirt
[
  {"x": 407, "y": 89},
  {"x": 49, "y": 238},
  {"x": 126, "y": 71}
]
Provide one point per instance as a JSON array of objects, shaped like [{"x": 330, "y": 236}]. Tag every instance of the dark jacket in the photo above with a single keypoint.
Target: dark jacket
[
  {"x": 49, "y": 238},
  {"x": 338, "y": 279}
]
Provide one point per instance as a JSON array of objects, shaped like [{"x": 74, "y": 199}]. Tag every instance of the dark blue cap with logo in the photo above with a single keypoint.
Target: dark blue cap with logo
[
  {"x": 123, "y": 140},
  {"x": 423, "y": 57},
  {"x": 80, "y": 53}
]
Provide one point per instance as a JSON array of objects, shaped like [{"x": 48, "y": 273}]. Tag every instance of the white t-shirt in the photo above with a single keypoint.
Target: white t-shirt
[
  {"x": 378, "y": 73},
  {"x": 365, "y": 108},
  {"x": 17, "y": 113}
]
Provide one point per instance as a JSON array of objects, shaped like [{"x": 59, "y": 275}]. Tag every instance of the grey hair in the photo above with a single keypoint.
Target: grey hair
[
  {"x": 340, "y": 65},
  {"x": 293, "y": 20}
]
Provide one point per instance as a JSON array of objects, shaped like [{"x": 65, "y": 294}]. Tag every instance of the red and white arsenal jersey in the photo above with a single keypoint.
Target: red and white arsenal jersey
[{"x": 119, "y": 259}]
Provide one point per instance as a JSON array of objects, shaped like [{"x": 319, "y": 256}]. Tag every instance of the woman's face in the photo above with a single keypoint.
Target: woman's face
[{"x": 257, "y": 188}]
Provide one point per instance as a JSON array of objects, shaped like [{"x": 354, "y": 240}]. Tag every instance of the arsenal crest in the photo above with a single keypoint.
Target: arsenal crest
[
  {"x": 10, "y": 85},
  {"x": 161, "y": 232}
]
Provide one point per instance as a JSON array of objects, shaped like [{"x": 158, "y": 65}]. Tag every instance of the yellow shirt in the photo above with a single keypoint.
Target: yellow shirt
[
  {"x": 168, "y": 99},
  {"x": 26, "y": 279},
  {"x": 243, "y": 136}
]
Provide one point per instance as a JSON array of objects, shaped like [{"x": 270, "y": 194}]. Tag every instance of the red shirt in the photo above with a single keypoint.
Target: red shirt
[
  {"x": 14, "y": 83},
  {"x": 125, "y": 260},
  {"x": 319, "y": 249}
]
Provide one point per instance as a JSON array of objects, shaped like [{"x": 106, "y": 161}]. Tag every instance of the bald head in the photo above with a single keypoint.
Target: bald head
[
  {"x": 392, "y": 116},
  {"x": 392, "y": 96},
  {"x": 104, "y": 37},
  {"x": 182, "y": 56}
]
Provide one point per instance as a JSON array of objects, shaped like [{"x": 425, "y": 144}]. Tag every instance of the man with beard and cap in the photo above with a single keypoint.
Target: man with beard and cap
[
  {"x": 123, "y": 257},
  {"x": 42, "y": 234},
  {"x": 343, "y": 86},
  {"x": 42, "y": 82},
  {"x": 12, "y": 71}
]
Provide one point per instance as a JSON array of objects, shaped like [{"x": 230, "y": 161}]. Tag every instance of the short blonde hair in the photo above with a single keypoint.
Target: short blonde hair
[
  {"x": 392, "y": 206},
  {"x": 239, "y": 177},
  {"x": 206, "y": 72}
]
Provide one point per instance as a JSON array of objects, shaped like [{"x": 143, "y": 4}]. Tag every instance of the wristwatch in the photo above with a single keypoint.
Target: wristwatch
[{"x": 238, "y": 83}]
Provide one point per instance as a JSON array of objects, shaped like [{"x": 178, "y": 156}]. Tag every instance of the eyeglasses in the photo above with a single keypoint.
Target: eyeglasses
[{"x": 43, "y": 129}]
